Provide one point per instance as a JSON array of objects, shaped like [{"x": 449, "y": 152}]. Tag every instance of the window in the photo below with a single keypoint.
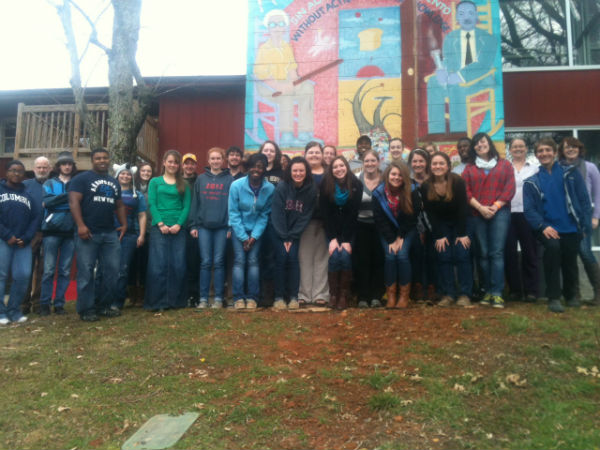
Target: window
[
  {"x": 550, "y": 33},
  {"x": 8, "y": 129},
  {"x": 585, "y": 26}
]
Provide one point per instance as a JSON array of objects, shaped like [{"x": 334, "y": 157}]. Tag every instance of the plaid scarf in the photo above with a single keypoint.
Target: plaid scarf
[{"x": 393, "y": 202}]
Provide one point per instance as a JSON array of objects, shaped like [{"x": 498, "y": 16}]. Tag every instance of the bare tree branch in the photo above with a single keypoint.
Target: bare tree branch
[{"x": 94, "y": 33}]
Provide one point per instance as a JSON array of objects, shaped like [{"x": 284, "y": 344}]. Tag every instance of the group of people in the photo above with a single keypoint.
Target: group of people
[{"x": 311, "y": 230}]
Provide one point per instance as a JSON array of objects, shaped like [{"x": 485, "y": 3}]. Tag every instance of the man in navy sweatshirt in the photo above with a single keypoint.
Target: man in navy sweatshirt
[
  {"x": 94, "y": 198},
  {"x": 19, "y": 221}
]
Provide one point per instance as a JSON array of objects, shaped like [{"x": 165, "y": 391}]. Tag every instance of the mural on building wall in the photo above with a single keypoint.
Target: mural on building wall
[{"x": 332, "y": 70}]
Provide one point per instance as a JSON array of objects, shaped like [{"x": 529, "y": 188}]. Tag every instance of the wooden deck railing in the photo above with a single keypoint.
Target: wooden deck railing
[{"x": 46, "y": 130}]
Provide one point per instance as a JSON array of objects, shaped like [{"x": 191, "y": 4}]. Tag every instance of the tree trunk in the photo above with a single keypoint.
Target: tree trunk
[{"x": 123, "y": 111}]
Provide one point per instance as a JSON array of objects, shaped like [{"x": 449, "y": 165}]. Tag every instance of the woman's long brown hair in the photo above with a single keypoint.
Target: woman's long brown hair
[
  {"x": 432, "y": 195},
  {"x": 405, "y": 191},
  {"x": 179, "y": 181}
]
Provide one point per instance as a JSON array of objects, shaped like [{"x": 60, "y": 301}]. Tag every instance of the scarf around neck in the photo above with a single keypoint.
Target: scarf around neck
[
  {"x": 393, "y": 201},
  {"x": 340, "y": 196},
  {"x": 486, "y": 165}
]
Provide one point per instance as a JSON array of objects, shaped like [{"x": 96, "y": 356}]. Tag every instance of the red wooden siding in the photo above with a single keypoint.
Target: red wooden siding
[
  {"x": 194, "y": 123},
  {"x": 552, "y": 98}
]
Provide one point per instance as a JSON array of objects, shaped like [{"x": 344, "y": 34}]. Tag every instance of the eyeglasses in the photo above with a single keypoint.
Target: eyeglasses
[{"x": 281, "y": 24}]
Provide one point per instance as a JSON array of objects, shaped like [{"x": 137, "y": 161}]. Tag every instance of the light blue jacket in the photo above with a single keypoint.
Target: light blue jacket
[{"x": 248, "y": 214}]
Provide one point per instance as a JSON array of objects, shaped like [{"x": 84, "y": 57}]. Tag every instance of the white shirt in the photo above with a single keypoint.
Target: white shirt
[
  {"x": 528, "y": 170},
  {"x": 463, "y": 46}
]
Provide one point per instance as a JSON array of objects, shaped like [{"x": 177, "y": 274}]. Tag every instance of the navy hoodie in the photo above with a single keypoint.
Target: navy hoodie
[
  {"x": 209, "y": 200},
  {"x": 19, "y": 215},
  {"x": 292, "y": 209}
]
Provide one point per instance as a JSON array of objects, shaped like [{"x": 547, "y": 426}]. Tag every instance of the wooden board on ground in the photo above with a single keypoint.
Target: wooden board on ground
[{"x": 161, "y": 431}]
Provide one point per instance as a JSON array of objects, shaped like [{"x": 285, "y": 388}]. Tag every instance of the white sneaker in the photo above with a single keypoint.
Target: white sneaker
[
  {"x": 240, "y": 304},
  {"x": 22, "y": 319},
  {"x": 250, "y": 304},
  {"x": 294, "y": 304},
  {"x": 202, "y": 304},
  {"x": 217, "y": 305},
  {"x": 463, "y": 300},
  {"x": 279, "y": 305},
  {"x": 4, "y": 321}
]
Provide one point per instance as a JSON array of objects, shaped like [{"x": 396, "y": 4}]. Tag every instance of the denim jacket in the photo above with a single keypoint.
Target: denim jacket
[
  {"x": 578, "y": 201},
  {"x": 249, "y": 214}
]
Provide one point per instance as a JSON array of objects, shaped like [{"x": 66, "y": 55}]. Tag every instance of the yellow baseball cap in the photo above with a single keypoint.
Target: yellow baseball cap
[{"x": 189, "y": 156}]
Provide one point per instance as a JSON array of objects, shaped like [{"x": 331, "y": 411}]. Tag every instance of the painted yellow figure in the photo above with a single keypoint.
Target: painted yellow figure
[{"x": 276, "y": 68}]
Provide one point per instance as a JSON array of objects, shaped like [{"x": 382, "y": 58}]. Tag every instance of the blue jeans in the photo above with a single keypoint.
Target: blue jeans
[
  {"x": 212, "y": 243},
  {"x": 491, "y": 236},
  {"x": 245, "y": 267},
  {"x": 286, "y": 270},
  {"x": 455, "y": 255},
  {"x": 396, "y": 268},
  {"x": 340, "y": 260},
  {"x": 585, "y": 250},
  {"x": 56, "y": 249},
  {"x": 17, "y": 261},
  {"x": 128, "y": 246},
  {"x": 166, "y": 271},
  {"x": 105, "y": 248}
]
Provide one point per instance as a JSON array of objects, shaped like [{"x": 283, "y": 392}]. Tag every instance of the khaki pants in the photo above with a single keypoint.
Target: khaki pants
[{"x": 314, "y": 259}]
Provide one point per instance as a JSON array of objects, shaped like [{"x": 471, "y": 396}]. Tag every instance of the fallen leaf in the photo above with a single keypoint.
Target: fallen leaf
[
  {"x": 475, "y": 378},
  {"x": 516, "y": 380},
  {"x": 398, "y": 418},
  {"x": 74, "y": 396},
  {"x": 43, "y": 394},
  {"x": 34, "y": 363},
  {"x": 459, "y": 387},
  {"x": 115, "y": 380},
  {"x": 63, "y": 408},
  {"x": 406, "y": 402}
]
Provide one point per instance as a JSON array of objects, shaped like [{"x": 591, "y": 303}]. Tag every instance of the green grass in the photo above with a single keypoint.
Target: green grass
[
  {"x": 269, "y": 380},
  {"x": 384, "y": 402}
]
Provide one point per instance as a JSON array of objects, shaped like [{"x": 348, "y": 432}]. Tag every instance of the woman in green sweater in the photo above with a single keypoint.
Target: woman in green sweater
[{"x": 169, "y": 199}]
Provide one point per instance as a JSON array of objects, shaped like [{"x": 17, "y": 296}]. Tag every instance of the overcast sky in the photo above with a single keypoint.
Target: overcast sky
[{"x": 178, "y": 37}]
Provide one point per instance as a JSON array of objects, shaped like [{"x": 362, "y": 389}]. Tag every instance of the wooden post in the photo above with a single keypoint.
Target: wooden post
[
  {"x": 76, "y": 134},
  {"x": 19, "y": 130}
]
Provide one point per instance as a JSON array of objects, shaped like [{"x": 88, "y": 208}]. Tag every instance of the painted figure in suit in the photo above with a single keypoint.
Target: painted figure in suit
[{"x": 469, "y": 54}]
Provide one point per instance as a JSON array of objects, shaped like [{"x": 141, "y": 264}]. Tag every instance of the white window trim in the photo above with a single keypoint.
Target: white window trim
[{"x": 550, "y": 68}]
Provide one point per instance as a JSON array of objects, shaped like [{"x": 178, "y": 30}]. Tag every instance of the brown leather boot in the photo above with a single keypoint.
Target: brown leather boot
[
  {"x": 392, "y": 294},
  {"x": 333, "y": 278},
  {"x": 403, "y": 298},
  {"x": 344, "y": 293},
  {"x": 431, "y": 294}
]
